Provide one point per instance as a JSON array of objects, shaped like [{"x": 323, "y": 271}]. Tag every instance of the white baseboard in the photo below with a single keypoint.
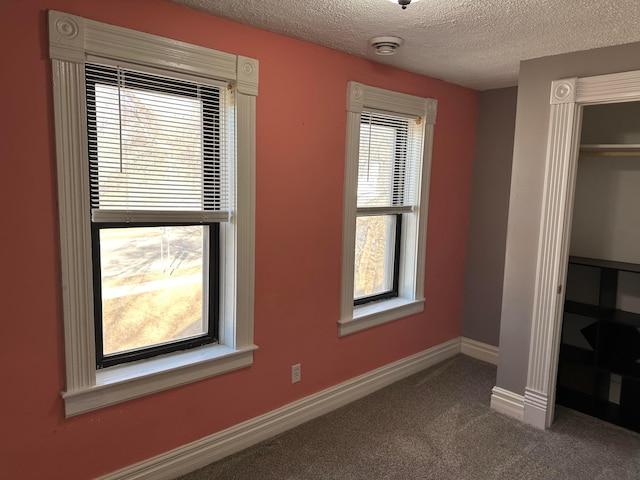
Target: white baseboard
[
  {"x": 197, "y": 454},
  {"x": 481, "y": 351},
  {"x": 507, "y": 402}
]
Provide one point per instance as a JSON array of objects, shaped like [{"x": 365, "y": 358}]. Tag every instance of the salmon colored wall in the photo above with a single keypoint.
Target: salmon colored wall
[{"x": 300, "y": 164}]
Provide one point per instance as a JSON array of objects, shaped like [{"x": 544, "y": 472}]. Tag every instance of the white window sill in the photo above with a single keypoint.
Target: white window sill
[
  {"x": 378, "y": 313},
  {"x": 136, "y": 379}
]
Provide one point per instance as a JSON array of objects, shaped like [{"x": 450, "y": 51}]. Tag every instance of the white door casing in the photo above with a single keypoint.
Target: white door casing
[{"x": 568, "y": 97}]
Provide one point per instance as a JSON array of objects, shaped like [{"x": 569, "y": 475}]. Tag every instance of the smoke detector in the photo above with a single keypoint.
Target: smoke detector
[{"x": 386, "y": 45}]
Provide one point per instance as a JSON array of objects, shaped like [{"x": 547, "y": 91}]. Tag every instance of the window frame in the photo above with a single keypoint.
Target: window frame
[
  {"x": 74, "y": 41},
  {"x": 410, "y": 298}
]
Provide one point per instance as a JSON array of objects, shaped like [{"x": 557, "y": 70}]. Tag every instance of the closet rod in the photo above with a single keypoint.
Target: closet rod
[
  {"x": 610, "y": 149},
  {"x": 609, "y": 153}
]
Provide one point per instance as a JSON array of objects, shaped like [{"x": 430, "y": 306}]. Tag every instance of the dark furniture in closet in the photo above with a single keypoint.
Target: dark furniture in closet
[{"x": 599, "y": 374}]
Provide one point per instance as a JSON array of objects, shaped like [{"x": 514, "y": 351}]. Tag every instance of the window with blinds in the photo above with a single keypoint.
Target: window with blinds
[
  {"x": 159, "y": 188},
  {"x": 388, "y": 164},
  {"x": 388, "y": 171},
  {"x": 156, "y": 144}
]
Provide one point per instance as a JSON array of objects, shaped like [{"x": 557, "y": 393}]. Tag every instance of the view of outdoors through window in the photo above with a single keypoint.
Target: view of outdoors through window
[
  {"x": 152, "y": 286},
  {"x": 375, "y": 244},
  {"x": 149, "y": 156},
  {"x": 375, "y": 235}
]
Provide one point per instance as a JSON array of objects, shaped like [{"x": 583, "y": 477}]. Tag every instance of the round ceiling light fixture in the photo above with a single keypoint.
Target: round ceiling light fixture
[
  {"x": 386, "y": 45},
  {"x": 404, "y": 3}
]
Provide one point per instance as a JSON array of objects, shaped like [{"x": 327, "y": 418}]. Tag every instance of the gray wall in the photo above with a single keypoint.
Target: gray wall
[
  {"x": 611, "y": 123},
  {"x": 606, "y": 223},
  {"x": 530, "y": 143},
  {"x": 484, "y": 267}
]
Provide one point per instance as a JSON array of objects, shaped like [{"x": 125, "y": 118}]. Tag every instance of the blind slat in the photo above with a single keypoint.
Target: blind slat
[
  {"x": 154, "y": 216},
  {"x": 375, "y": 211}
]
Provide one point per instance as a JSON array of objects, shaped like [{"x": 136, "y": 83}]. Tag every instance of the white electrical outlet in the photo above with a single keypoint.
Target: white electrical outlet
[{"x": 295, "y": 373}]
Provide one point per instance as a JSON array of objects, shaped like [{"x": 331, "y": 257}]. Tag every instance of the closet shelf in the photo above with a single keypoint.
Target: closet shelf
[
  {"x": 597, "y": 262},
  {"x": 610, "y": 150},
  {"x": 615, "y": 316},
  {"x": 582, "y": 309},
  {"x": 624, "y": 369}
]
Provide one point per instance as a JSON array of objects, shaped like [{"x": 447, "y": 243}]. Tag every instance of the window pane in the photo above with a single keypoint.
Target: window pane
[
  {"x": 375, "y": 248},
  {"x": 152, "y": 286}
]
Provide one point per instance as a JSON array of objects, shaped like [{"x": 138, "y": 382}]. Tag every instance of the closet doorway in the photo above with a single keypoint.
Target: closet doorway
[
  {"x": 599, "y": 357},
  {"x": 568, "y": 98}
]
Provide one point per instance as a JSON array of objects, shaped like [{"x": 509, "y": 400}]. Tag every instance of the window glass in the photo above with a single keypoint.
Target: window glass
[
  {"x": 375, "y": 255},
  {"x": 152, "y": 286}
]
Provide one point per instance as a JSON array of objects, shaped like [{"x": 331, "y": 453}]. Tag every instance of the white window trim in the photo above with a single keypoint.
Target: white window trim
[
  {"x": 72, "y": 40},
  {"x": 410, "y": 298}
]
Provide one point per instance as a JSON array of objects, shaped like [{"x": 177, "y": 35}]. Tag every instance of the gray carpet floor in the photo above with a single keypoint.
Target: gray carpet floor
[{"x": 436, "y": 424}]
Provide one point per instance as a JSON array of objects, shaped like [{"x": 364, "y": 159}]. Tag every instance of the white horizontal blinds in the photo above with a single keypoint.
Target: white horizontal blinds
[
  {"x": 157, "y": 147},
  {"x": 389, "y": 163}
]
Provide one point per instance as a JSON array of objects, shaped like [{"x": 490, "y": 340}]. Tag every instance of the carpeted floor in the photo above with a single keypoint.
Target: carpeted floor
[{"x": 436, "y": 424}]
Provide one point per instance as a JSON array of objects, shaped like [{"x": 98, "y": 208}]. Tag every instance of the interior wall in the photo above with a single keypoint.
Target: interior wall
[
  {"x": 527, "y": 183},
  {"x": 605, "y": 222},
  {"x": 611, "y": 123},
  {"x": 484, "y": 268},
  {"x": 301, "y": 121}
]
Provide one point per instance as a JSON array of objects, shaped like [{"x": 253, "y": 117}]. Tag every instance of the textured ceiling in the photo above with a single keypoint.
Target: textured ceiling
[{"x": 475, "y": 43}]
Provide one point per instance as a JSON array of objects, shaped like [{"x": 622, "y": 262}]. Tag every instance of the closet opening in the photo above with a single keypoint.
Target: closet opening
[{"x": 599, "y": 355}]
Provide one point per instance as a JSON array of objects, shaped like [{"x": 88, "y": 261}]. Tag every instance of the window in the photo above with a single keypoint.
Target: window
[
  {"x": 155, "y": 154},
  {"x": 155, "y": 150},
  {"x": 386, "y": 181},
  {"x": 386, "y": 190}
]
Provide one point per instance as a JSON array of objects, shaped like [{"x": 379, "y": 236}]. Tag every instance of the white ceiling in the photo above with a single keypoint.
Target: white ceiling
[{"x": 475, "y": 43}]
